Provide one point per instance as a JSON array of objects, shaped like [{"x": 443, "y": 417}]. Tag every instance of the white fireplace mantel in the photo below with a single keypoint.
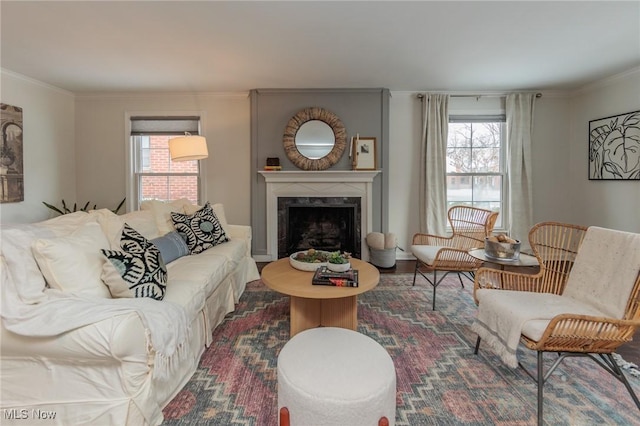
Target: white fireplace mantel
[
  {"x": 329, "y": 183},
  {"x": 319, "y": 176}
]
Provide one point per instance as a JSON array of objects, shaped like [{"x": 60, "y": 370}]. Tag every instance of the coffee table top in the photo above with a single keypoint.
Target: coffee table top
[
  {"x": 280, "y": 276},
  {"x": 523, "y": 260}
]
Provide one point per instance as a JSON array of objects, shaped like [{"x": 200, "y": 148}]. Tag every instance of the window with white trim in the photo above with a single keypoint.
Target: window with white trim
[
  {"x": 153, "y": 174},
  {"x": 476, "y": 167}
]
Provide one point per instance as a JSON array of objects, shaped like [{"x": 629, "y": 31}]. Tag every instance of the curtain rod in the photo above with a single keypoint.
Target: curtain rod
[{"x": 421, "y": 96}]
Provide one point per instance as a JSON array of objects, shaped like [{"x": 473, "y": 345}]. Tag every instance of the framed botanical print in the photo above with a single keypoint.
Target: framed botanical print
[{"x": 614, "y": 147}]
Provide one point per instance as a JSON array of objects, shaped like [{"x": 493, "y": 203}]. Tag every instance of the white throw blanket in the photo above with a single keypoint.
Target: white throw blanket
[
  {"x": 600, "y": 282},
  {"x": 57, "y": 312},
  {"x": 502, "y": 315}
]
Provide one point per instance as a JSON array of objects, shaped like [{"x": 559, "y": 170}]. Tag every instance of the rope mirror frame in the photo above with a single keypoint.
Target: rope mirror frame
[{"x": 289, "y": 139}]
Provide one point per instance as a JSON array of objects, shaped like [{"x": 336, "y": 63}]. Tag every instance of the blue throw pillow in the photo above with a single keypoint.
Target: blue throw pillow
[{"x": 171, "y": 246}]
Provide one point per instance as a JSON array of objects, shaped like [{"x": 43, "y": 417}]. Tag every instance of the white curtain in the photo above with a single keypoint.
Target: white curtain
[
  {"x": 433, "y": 167},
  {"x": 519, "y": 109}
]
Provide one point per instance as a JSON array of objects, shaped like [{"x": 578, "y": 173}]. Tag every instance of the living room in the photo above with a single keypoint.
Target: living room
[{"x": 75, "y": 105}]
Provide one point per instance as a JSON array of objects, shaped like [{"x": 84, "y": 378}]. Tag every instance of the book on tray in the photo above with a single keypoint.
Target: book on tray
[{"x": 324, "y": 276}]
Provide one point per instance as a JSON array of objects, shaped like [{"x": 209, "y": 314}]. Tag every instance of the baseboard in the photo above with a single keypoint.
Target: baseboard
[
  {"x": 262, "y": 258},
  {"x": 403, "y": 255}
]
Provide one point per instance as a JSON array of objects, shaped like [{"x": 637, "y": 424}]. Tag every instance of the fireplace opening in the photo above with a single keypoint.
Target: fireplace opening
[{"x": 328, "y": 224}]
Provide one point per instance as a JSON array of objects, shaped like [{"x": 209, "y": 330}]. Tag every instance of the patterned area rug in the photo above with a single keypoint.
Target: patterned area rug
[{"x": 439, "y": 379}]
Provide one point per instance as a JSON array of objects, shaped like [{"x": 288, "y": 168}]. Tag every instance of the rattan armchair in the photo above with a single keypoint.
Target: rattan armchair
[
  {"x": 556, "y": 245},
  {"x": 469, "y": 226}
]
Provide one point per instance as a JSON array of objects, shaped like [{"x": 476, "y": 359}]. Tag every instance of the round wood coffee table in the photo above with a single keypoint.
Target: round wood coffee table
[{"x": 319, "y": 305}]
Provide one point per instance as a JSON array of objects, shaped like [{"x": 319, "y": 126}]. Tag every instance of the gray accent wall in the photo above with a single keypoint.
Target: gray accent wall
[{"x": 362, "y": 111}]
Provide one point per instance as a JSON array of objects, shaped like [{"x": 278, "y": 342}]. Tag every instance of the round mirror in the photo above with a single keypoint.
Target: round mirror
[{"x": 314, "y": 139}]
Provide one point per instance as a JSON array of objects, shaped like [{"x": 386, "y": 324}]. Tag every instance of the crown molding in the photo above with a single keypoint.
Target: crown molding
[
  {"x": 156, "y": 95},
  {"x": 604, "y": 82},
  {"x": 30, "y": 80}
]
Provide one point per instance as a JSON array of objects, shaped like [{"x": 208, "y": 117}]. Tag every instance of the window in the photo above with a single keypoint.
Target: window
[
  {"x": 476, "y": 163},
  {"x": 153, "y": 175}
]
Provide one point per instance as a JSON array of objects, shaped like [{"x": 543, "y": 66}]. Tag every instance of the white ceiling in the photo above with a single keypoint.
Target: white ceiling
[{"x": 217, "y": 46}]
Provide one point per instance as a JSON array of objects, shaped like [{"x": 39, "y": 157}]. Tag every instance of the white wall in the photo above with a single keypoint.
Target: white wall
[
  {"x": 610, "y": 204},
  {"x": 550, "y": 152},
  {"x": 49, "y": 147},
  {"x": 404, "y": 168},
  {"x": 101, "y": 144}
]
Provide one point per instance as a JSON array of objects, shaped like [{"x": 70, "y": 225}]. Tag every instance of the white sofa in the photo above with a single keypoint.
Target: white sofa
[{"x": 82, "y": 358}]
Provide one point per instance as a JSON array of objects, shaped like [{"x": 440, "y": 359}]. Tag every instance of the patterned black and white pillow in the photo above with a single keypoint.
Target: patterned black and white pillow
[
  {"x": 136, "y": 271},
  {"x": 201, "y": 230}
]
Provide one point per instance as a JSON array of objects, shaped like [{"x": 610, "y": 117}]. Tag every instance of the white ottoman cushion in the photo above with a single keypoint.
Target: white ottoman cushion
[{"x": 335, "y": 376}]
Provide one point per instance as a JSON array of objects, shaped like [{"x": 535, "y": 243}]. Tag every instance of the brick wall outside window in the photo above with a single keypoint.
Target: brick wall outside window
[{"x": 167, "y": 187}]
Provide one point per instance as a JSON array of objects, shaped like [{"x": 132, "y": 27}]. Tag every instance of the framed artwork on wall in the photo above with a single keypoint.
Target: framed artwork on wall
[
  {"x": 11, "y": 155},
  {"x": 614, "y": 147},
  {"x": 364, "y": 153}
]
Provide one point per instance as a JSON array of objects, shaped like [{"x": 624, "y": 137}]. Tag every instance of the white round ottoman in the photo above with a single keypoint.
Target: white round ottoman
[{"x": 335, "y": 376}]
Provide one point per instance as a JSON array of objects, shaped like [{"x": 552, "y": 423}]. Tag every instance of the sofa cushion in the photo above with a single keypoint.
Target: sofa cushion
[
  {"x": 162, "y": 212},
  {"x": 111, "y": 225},
  {"x": 22, "y": 268},
  {"x": 142, "y": 221},
  {"x": 232, "y": 251},
  {"x": 206, "y": 271},
  {"x": 171, "y": 246},
  {"x": 73, "y": 263},
  {"x": 67, "y": 223},
  {"x": 209, "y": 268},
  {"x": 136, "y": 271},
  {"x": 201, "y": 230}
]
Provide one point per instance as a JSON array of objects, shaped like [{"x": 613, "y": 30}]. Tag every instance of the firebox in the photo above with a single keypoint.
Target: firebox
[{"x": 322, "y": 223}]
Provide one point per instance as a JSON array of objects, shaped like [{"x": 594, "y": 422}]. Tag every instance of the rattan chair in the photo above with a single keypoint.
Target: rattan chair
[
  {"x": 469, "y": 226},
  {"x": 569, "y": 335}
]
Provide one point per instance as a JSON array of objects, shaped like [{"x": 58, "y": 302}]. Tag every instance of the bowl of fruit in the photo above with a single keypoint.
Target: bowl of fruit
[{"x": 501, "y": 247}]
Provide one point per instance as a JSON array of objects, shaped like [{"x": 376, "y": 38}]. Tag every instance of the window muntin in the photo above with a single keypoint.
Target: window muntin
[
  {"x": 157, "y": 177},
  {"x": 475, "y": 163}
]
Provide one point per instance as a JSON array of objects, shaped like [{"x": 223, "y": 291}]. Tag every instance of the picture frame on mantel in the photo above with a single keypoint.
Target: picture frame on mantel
[{"x": 363, "y": 155}]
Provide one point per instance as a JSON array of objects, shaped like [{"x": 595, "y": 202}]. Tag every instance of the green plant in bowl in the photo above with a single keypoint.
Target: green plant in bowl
[{"x": 339, "y": 258}]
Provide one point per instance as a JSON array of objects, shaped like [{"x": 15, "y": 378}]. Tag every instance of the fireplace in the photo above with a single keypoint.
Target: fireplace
[
  {"x": 329, "y": 189},
  {"x": 322, "y": 223}
]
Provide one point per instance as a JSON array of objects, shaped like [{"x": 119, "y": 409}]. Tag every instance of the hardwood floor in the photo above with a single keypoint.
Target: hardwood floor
[{"x": 629, "y": 351}]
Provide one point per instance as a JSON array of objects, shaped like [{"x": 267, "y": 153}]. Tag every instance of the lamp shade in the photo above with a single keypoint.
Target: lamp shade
[{"x": 187, "y": 148}]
